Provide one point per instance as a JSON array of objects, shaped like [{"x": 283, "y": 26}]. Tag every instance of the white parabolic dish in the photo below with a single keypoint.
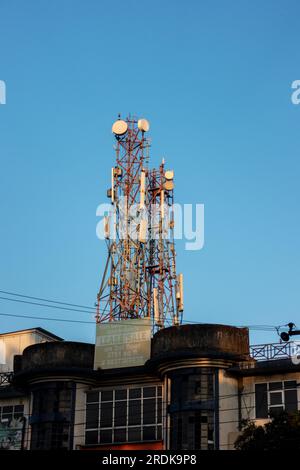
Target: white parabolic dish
[
  {"x": 143, "y": 125},
  {"x": 119, "y": 127}
]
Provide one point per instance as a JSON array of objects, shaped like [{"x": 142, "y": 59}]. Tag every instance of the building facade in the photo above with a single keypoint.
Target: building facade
[
  {"x": 193, "y": 392},
  {"x": 14, "y": 404}
]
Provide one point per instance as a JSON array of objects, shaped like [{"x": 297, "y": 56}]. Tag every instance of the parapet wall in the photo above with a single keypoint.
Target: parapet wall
[{"x": 203, "y": 340}]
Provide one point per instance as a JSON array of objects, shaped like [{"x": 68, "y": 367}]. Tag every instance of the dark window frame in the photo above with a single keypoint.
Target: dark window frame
[
  {"x": 136, "y": 427},
  {"x": 265, "y": 392},
  {"x": 6, "y": 416}
]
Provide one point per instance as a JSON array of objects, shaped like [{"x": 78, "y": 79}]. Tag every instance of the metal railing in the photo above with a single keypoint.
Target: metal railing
[
  {"x": 272, "y": 351},
  {"x": 5, "y": 378}
]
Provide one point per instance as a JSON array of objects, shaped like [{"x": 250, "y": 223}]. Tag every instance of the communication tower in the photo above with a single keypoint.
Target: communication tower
[{"x": 139, "y": 279}]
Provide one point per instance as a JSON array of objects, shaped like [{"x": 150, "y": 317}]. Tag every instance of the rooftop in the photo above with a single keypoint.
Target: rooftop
[{"x": 37, "y": 329}]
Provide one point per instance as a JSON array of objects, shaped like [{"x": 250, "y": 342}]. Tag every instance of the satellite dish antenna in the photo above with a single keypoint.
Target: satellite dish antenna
[
  {"x": 169, "y": 174},
  {"x": 169, "y": 185},
  {"x": 143, "y": 125},
  {"x": 119, "y": 127}
]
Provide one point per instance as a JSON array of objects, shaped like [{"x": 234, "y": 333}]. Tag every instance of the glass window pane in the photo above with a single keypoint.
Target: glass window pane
[
  {"x": 159, "y": 410},
  {"x": 290, "y": 398},
  {"x": 120, "y": 413},
  {"x": 159, "y": 432},
  {"x": 107, "y": 395},
  {"x": 106, "y": 415},
  {"x": 92, "y": 415},
  {"x": 120, "y": 394},
  {"x": 210, "y": 434},
  {"x": 149, "y": 411},
  {"x": 196, "y": 395},
  {"x": 159, "y": 391},
  {"x": 149, "y": 392},
  {"x": 91, "y": 437},
  {"x": 92, "y": 397},
  {"x": 105, "y": 436},
  {"x": 135, "y": 393},
  {"x": 275, "y": 386},
  {"x": 65, "y": 436},
  {"x": 134, "y": 413},
  {"x": 120, "y": 435},
  {"x": 290, "y": 384},
  {"x": 19, "y": 409},
  {"x": 261, "y": 401},
  {"x": 7, "y": 409},
  {"x": 134, "y": 434},
  {"x": 199, "y": 387},
  {"x": 149, "y": 433},
  {"x": 276, "y": 410},
  {"x": 275, "y": 398}
]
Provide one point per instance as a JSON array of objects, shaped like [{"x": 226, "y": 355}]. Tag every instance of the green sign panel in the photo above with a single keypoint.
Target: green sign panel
[{"x": 124, "y": 343}]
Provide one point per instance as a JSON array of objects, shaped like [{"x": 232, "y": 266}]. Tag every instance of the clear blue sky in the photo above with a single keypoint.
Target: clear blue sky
[{"x": 214, "y": 79}]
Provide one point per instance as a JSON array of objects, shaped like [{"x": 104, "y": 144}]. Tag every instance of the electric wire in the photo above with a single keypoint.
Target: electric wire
[
  {"x": 46, "y": 300},
  {"x": 250, "y": 327},
  {"x": 93, "y": 309}
]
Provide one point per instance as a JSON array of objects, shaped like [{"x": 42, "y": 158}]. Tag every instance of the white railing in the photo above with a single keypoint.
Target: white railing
[
  {"x": 5, "y": 378},
  {"x": 272, "y": 351}
]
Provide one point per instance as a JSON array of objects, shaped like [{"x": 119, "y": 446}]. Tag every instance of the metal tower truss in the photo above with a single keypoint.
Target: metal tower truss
[{"x": 139, "y": 279}]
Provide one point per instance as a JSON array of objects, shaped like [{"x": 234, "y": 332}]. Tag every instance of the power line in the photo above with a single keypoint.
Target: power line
[
  {"x": 250, "y": 327},
  {"x": 46, "y": 300},
  {"x": 46, "y": 318},
  {"x": 257, "y": 328},
  {"x": 45, "y": 305}
]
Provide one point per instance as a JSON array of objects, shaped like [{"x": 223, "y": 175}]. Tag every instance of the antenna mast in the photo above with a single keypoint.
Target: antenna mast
[{"x": 139, "y": 279}]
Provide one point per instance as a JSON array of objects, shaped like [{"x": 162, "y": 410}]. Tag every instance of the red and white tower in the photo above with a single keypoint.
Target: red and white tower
[{"x": 139, "y": 279}]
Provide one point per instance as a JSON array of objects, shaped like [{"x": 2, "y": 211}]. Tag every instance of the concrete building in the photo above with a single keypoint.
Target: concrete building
[
  {"x": 14, "y": 404},
  {"x": 14, "y": 342},
  {"x": 194, "y": 390}
]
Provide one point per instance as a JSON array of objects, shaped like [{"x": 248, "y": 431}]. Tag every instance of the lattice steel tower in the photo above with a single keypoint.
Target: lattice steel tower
[{"x": 139, "y": 279}]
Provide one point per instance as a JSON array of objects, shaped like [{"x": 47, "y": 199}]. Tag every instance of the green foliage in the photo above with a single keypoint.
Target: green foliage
[{"x": 281, "y": 433}]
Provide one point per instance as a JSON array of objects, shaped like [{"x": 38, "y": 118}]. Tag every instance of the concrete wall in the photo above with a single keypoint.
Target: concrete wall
[
  {"x": 209, "y": 340},
  {"x": 79, "y": 421},
  {"x": 228, "y": 410},
  {"x": 55, "y": 355}
]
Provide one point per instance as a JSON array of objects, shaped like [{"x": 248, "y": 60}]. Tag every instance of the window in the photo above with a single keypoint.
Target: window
[
  {"x": 124, "y": 415},
  {"x": 192, "y": 430},
  {"x": 193, "y": 387},
  {"x": 51, "y": 417},
  {"x": 7, "y": 413},
  {"x": 192, "y": 411},
  {"x": 274, "y": 397},
  {"x": 92, "y": 415},
  {"x": 50, "y": 435}
]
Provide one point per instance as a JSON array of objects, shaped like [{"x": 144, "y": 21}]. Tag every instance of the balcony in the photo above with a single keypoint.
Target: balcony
[
  {"x": 273, "y": 351},
  {"x": 5, "y": 378}
]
